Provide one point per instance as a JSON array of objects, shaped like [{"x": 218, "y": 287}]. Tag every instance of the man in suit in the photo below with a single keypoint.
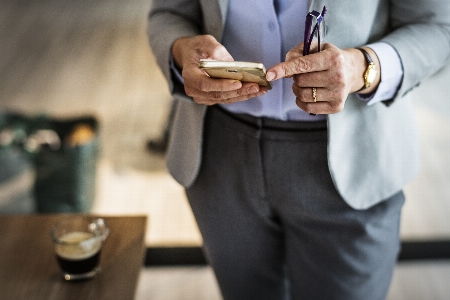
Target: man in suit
[{"x": 297, "y": 191}]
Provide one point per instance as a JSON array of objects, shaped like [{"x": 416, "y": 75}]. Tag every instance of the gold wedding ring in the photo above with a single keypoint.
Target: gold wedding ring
[{"x": 314, "y": 94}]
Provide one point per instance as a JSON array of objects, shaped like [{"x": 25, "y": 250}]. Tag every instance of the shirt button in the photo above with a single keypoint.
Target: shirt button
[{"x": 271, "y": 26}]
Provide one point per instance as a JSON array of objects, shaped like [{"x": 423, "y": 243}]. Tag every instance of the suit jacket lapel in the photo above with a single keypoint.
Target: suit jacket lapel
[
  {"x": 223, "y": 5},
  {"x": 316, "y": 5}
]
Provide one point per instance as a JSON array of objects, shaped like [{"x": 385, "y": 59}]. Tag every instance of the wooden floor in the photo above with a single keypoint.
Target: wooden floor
[
  {"x": 68, "y": 58},
  {"x": 411, "y": 281}
]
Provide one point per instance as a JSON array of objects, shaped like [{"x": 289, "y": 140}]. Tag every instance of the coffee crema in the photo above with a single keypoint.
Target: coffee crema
[{"x": 78, "y": 252}]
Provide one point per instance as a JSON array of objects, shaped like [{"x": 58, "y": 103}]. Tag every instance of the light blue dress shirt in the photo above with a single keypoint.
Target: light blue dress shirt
[{"x": 264, "y": 31}]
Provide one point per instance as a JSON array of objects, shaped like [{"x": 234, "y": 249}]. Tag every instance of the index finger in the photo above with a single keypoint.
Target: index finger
[{"x": 304, "y": 64}]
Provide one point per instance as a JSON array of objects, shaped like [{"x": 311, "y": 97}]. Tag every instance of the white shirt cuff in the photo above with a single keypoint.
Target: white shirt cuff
[{"x": 391, "y": 73}]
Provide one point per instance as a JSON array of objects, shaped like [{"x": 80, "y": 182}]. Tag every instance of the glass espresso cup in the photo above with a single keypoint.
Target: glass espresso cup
[{"x": 78, "y": 243}]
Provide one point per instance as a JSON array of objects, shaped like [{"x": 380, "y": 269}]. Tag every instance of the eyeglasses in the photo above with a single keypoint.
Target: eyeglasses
[{"x": 314, "y": 27}]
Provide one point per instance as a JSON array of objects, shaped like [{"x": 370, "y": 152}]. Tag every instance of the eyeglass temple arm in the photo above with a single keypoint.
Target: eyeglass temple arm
[
  {"x": 319, "y": 18},
  {"x": 316, "y": 28},
  {"x": 306, "y": 41}
]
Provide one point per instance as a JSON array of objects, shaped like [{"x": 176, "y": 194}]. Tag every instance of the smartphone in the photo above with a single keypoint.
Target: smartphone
[{"x": 239, "y": 70}]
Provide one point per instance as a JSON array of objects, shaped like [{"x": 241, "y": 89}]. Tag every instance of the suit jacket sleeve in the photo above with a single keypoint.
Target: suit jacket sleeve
[
  {"x": 421, "y": 36},
  {"x": 168, "y": 21}
]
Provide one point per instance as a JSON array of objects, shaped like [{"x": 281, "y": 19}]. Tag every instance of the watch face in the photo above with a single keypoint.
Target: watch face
[{"x": 371, "y": 74}]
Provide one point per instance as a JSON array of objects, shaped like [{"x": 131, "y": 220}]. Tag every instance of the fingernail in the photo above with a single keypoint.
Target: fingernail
[
  {"x": 236, "y": 85},
  {"x": 253, "y": 90},
  {"x": 270, "y": 75}
]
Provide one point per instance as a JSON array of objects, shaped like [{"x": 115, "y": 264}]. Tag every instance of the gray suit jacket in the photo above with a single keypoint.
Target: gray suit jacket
[{"x": 372, "y": 150}]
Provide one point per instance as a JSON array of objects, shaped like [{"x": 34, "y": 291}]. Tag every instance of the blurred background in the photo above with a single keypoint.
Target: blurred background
[{"x": 67, "y": 59}]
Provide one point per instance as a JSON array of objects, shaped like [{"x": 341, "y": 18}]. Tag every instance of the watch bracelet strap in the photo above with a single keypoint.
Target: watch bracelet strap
[{"x": 368, "y": 60}]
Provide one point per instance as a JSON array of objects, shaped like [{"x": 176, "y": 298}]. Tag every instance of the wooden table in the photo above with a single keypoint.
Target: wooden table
[{"x": 29, "y": 270}]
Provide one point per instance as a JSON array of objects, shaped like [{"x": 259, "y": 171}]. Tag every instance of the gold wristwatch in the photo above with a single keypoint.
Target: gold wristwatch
[{"x": 370, "y": 74}]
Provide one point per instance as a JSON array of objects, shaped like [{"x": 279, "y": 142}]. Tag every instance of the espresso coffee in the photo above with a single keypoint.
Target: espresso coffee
[{"x": 78, "y": 252}]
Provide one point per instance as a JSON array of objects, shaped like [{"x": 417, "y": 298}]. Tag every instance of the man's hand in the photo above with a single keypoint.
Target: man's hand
[
  {"x": 187, "y": 53},
  {"x": 334, "y": 73}
]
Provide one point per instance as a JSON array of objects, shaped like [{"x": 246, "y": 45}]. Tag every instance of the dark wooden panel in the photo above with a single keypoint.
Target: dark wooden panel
[{"x": 181, "y": 256}]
